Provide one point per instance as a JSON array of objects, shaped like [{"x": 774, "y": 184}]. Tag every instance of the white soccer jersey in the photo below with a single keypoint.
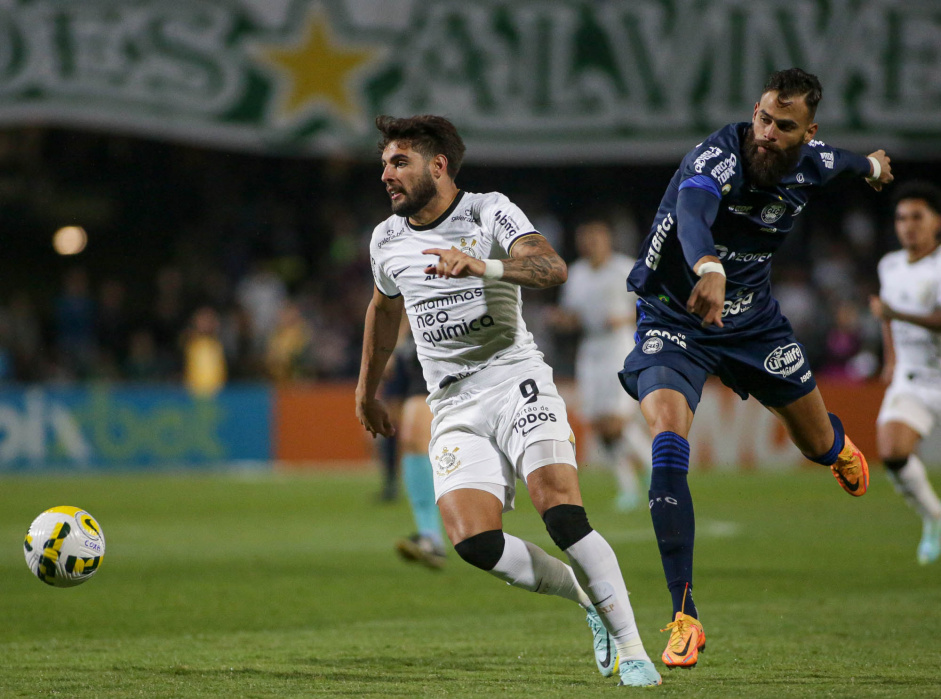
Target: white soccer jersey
[
  {"x": 597, "y": 295},
  {"x": 913, "y": 288},
  {"x": 460, "y": 326}
]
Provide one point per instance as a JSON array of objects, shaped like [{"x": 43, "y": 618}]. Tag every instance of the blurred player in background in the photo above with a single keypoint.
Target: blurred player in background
[
  {"x": 413, "y": 433},
  {"x": 909, "y": 305},
  {"x": 454, "y": 261},
  {"x": 594, "y": 302},
  {"x": 706, "y": 308}
]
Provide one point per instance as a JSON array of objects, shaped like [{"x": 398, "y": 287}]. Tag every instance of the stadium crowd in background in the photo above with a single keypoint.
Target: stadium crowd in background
[{"x": 279, "y": 249}]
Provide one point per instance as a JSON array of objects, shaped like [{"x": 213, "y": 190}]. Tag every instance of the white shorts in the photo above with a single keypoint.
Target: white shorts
[
  {"x": 486, "y": 428},
  {"x": 600, "y": 393},
  {"x": 911, "y": 401}
]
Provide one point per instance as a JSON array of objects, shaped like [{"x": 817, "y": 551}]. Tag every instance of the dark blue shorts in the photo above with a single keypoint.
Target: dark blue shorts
[
  {"x": 406, "y": 379},
  {"x": 763, "y": 360}
]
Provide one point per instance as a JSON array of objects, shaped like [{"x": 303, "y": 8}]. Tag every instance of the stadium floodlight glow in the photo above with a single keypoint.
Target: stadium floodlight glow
[{"x": 70, "y": 240}]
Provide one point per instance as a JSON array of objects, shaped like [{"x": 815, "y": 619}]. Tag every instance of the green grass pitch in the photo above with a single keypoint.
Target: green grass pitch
[{"x": 261, "y": 585}]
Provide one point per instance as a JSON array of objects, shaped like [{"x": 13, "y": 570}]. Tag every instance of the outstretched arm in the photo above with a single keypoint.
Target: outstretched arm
[
  {"x": 880, "y": 170},
  {"x": 533, "y": 262},
  {"x": 696, "y": 210},
  {"x": 383, "y": 317}
]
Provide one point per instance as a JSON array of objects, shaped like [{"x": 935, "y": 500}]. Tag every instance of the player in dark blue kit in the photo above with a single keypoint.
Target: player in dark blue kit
[{"x": 703, "y": 277}]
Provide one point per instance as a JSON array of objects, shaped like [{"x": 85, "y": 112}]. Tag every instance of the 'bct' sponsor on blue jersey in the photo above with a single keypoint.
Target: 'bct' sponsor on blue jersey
[{"x": 656, "y": 244}]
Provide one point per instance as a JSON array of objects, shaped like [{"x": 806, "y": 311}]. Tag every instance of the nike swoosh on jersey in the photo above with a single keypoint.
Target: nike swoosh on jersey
[
  {"x": 395, "y": 275},
  {"x": 526, "y": 432}
]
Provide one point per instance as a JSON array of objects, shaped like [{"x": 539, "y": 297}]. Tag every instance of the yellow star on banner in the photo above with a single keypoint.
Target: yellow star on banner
[{"x": 317, "y": 69}]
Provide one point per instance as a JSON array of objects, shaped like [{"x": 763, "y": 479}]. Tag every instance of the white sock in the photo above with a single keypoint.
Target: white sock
[
  {"x": 911, "y": 482},
  {"x": 596, "y": 568},
  {"x": 638, "y": 439},
  {"x": 527, "y": 566},
  {"x": 623, "y": 466}
]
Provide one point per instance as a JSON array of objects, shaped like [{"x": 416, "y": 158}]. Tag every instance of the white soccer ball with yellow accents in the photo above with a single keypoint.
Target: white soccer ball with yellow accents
[{"x": 64, "y": 546}]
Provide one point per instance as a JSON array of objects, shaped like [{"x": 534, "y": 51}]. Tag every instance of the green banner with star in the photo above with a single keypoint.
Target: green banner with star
[{"x": 527, "y": 81}]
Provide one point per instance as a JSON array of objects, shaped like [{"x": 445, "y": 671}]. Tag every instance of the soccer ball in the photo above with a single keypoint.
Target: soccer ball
[{"x": 64, "y": 546}]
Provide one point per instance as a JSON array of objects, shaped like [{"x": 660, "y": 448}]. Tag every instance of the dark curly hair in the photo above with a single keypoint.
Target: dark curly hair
[
  {"x": 919, "y": 189},
  {"x": 427, "y": 134},
  {"x": 795, "y": 82}
]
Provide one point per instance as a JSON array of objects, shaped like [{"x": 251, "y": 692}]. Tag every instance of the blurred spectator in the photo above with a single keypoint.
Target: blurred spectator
[
  {"x": 843, "y": 342},
  {"x": 75, "y": 324},
  {"x": 804, "y": 307},
  {"x": 262, "y": 294},
  {"x": 289, "y": 347},
  {"x": 25, "y": 337},
  {"x": 168, "y": 314},
  {"x": 204, "y": 365},
  {"x": 143, "y": 362},
  {"x": 112, "y": 326}
]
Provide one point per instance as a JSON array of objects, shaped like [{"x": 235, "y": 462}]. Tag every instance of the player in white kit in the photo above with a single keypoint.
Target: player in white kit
[
  {"x": 453, "y": 261},
  {"x": 909, "y": 304},
  {"x": 595, "y": 301}
]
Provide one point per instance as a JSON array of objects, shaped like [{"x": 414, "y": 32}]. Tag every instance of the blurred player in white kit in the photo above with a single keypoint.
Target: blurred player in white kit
[
  {"x": 909, "y": 305},
  {"x": 595, "y": 301}
]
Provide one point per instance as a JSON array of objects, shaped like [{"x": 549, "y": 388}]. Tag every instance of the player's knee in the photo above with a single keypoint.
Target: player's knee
[
  {"x": 482, "y": 550},
  {"x": 895, "y": 465},
  {"x": 566, "y": 524}
]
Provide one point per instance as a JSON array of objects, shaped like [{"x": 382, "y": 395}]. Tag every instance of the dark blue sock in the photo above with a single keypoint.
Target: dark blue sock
[
  {"x": 671, "y": 509},
  {"x": 839, "y": 440}
]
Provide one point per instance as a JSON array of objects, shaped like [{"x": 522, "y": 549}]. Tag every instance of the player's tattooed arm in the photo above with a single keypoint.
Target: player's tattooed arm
[{"x": 534, "y": 263}]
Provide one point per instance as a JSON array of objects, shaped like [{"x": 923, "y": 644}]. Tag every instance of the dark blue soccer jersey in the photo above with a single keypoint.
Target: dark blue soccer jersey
[{"x": 751, "y": 224}]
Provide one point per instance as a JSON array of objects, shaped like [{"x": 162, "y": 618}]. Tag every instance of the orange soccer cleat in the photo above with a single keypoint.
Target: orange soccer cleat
[
  {"x": 851, "y": 470},
  {"x": 686, "y": 640}
]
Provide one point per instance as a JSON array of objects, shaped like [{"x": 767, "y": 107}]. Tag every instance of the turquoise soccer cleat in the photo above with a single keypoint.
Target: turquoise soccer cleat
[
  {"x": 929, "y": 548},
  {"x": 639, "y": 673},
  {"x": 606, "y": 653}
]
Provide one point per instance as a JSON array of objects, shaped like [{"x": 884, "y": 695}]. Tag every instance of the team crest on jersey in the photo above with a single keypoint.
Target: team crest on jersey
[
  {"x": 469, "y": 248},
  {"x": 772, "y": 212},
  {"x": 652, "y": 345},
  {"x": 447, "y": 462}
]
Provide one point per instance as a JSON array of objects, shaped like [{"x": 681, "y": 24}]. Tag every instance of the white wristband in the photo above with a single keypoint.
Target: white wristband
[
  {"x": 707, "y": 267},
  {"x": 876, "y": 169},
  {"x": 493, "y": 269}
]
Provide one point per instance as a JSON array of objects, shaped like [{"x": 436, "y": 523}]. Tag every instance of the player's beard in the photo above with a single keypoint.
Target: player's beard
[
  {"x": 420, "y": 195},
  {"x": 768, "y": 168}
]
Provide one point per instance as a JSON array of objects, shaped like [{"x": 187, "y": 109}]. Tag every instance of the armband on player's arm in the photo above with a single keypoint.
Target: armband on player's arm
[
  {"x": 493, "y": 269},
  {"x": 697, "y": 206}
]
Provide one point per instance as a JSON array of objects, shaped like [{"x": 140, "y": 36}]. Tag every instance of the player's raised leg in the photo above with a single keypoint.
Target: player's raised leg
[
  {"x": 554, "y": 491},
  {"x": 473, "y": 520},
  {"x": 820, "y": 437}
]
